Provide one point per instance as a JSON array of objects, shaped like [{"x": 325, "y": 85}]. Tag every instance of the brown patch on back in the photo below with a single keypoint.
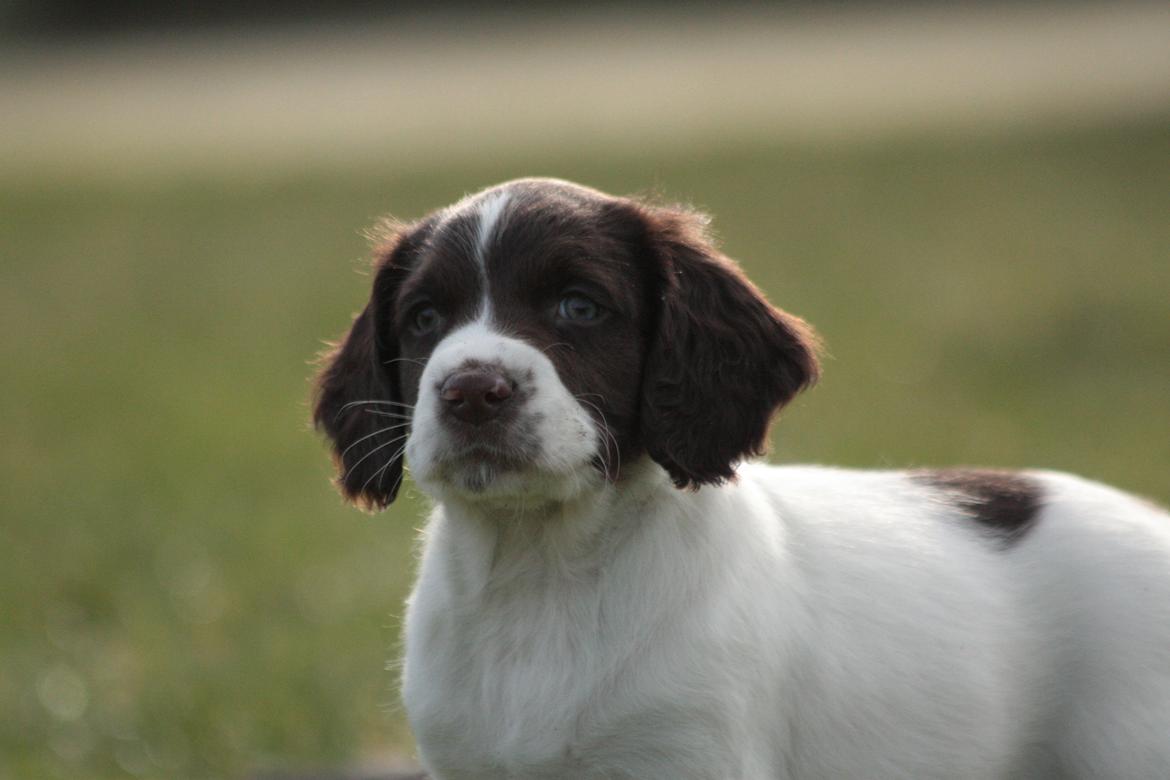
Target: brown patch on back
[{"x": 1004, "y": 502}]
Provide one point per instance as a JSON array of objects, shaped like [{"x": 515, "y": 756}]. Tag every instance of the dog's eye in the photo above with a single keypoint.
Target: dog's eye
[
  {"x": 424, "y": 320},
  {"x": 575, "y": 307}
]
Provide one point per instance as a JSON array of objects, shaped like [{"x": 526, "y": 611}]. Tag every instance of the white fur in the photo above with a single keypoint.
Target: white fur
[
  {"x": 565, "y": 432},
  {"x": 490, "y": 209},
  {"x": 801, "y": 622}
]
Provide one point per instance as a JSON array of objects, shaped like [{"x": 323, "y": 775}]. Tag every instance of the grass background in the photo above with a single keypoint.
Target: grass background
[{"x": 185, "y": 595}]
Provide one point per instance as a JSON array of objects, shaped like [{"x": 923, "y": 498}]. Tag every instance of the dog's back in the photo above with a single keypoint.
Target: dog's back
[{"x": 963, "y": 649}]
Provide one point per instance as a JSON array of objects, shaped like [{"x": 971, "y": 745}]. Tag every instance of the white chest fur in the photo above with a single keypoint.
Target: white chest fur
[{"x": 581, "y": 651}]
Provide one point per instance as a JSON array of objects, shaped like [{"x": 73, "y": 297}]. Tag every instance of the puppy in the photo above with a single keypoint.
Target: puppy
[{"x": 608, "y": 589}]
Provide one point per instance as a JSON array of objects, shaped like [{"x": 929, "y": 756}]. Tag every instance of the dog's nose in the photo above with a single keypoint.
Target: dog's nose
[{"x": 475, "y": 396}]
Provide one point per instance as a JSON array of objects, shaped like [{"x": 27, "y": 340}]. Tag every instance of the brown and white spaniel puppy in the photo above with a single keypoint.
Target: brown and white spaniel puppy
[{"x": 608, "y": 589}]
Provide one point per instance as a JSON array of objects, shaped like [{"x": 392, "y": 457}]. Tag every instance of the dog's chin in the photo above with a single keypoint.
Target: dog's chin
[{"x": 494, "y": 478}]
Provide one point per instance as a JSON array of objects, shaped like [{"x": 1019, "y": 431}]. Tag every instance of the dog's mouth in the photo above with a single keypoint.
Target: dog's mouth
[
  {"x": 490, "y": 470},
  {"x": 474, "y": 464},
  {"x": 474, "y": 476},
  {"x": 522, "y": 450}
]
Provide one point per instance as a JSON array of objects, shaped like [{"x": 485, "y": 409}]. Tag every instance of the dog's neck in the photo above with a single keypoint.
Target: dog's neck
[{"x": 550, "y": 538}]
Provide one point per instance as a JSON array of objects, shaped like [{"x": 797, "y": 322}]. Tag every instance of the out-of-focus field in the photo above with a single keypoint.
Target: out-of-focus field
[{"x": 184, "y": 594}]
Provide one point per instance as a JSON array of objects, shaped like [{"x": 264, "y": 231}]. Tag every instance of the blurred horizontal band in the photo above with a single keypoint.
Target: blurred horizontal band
[{"x": 458, "y": 87}]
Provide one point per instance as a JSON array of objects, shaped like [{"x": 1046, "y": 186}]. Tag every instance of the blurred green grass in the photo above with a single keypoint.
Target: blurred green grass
[{"x": 184, "y": 594}]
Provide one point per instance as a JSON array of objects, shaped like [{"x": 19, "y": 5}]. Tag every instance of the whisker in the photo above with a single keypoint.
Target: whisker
[
  {"x": 416, "y": 361},
  {"x": 604, "y": 455},
  {"x": 372, "y": 435},
  {"x": 397, "y": 482},
  {"x": 390, "y": 414},
  {"x": 341, "y": 411},
  {"x": 558, "y": 344},
  {"x": 381, "y": 446},
  {"x": 382, "y": 470},
  {"x": 381, "y": 401},
  {"x": 379, "y": 473},
  {"x": 609, "y": 438}
]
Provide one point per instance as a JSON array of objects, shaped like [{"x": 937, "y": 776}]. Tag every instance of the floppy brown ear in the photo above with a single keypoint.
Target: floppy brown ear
[
  {"x": 358, "y": 402},
  {"x": 721, "y": 361}
]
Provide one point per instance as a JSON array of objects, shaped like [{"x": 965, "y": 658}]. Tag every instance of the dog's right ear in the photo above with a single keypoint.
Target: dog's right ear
[{"x": 358, "y": 402}]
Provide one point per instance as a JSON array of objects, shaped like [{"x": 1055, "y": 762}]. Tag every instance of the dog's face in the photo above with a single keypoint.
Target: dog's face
[{"x": 533, "y": 338}]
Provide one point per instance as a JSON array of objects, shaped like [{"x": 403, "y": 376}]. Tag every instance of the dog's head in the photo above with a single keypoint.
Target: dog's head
[{"x": 533, "y": 338}]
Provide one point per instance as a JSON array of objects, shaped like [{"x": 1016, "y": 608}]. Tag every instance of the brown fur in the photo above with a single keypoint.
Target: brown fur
[
  {"x": 722, "y": 359},
  {"x": 1003, "y": 502},
  {"x": 359, "y": 370},
  {"x": 714, "y": 358}
]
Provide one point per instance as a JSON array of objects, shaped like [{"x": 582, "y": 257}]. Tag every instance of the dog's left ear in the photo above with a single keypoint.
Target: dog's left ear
[{"x": 721, "y": 359}]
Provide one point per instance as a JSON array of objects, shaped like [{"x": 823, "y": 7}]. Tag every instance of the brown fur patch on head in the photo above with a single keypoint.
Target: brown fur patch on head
[
  {"x": 722, "y": 359},
  {"x": 686, "y": 360}
]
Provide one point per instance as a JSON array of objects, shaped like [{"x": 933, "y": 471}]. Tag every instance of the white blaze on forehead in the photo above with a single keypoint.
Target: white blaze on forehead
[{"x": 491, "y": 210}]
